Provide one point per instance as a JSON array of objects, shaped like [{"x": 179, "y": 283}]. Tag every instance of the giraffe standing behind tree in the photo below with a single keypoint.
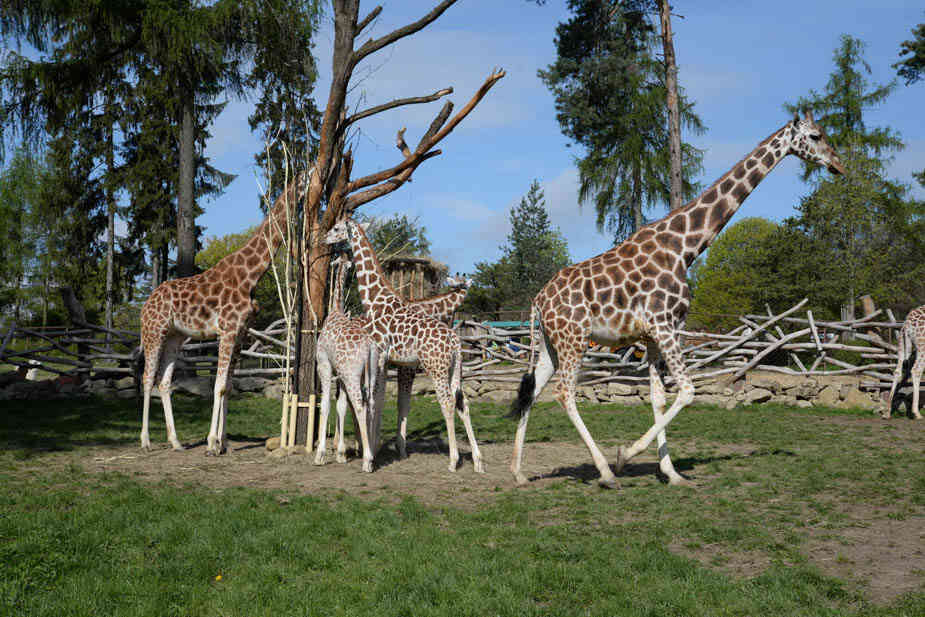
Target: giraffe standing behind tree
[{"x": 638, "y": 291}]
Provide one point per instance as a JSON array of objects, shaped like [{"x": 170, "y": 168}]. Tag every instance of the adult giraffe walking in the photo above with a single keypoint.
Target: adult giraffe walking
[{"x": 638, "y": 291}]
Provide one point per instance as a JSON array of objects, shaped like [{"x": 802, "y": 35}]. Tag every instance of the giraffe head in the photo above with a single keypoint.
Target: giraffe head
[
  {"x": 458, "y": 281},
  {"x": 343, "y": 230},
  {"x": 808, "y": 141}
]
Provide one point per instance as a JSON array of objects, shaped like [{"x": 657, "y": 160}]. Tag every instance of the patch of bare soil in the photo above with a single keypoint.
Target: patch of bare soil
[{"x": 885, "y": 556}]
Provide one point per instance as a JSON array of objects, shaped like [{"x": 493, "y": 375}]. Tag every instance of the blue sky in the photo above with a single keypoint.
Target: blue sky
[{"x": 739, "y": 61}]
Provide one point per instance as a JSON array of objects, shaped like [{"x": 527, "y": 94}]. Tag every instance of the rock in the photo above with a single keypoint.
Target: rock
[
  {"x": 470, "y": 392},
  {"x": 510, "y": 386},
  {"x": 731, "y": 403},
  {"x": 124, "y": 383},
  {"x": 274, "y": 390},
  {"x": 803, "y": 404},
  {"x": 625, "y": 400},
  {"x": 710, "y": 387},
  {"x": 828, "y": 396},
  {"x": 764, "y": 382},
  {"x": 854, "y": 398},
  {"x": 422, "y": 385},
  {"x": 710, "y": 399},
  {"x": 620, "y": 389},
  {"x": 786, "y": 400},
  {"x": 587, "y": 393},
  {"x": 805, "y": 389},
  {"x": 251, "y": 384},
  {"x": 497, "y": 396},
  {"x": 757, "y": 395},
  {"x": 197, "y": 386}
]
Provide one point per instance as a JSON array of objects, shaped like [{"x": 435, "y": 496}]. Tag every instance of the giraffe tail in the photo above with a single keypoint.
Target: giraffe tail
[
  {"x": 906, "y": 358},
  {"x": 138, "y": 368},
  {"x": 528, "y": 384}
]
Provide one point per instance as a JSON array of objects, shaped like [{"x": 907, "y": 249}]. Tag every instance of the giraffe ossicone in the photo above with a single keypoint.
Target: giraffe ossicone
[{"x": 638, "y": 291}]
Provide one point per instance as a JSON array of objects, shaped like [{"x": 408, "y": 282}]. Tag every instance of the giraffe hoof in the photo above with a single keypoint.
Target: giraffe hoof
[
  {"x": 521, "y": 479},
  {"x": 368, "y": 466},
  {"x": 610, "y": 483},
  {"x": 319, "y": 460},
  {"x": 679, "y": 480},
  {"x": 178, "y": 447},
  {"x": 340, "y": 457},
  {"x": 479, "y": 467}
]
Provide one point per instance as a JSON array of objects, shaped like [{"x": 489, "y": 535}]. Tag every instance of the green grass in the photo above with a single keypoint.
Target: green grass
[{"x": 80, "y": 543}]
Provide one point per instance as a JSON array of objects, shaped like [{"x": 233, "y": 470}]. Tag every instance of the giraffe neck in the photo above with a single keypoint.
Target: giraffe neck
[
  {"x": 338, "y": 291},
  {"x": 375, "y": 289},
  {"x": 443, "y": 305},
  {"x": 253, "y": 259},
  {"x": 707, "y": 214}
]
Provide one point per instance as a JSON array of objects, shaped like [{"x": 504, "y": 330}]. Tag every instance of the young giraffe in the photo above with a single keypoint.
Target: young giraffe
[
  {"x": 638, "y": 291},
  {"x": 346, "y": 340},
  {"x": 409, "y": 336},
  {"x": 911, "y": 360},
  {"x": 215, "y": 303}
]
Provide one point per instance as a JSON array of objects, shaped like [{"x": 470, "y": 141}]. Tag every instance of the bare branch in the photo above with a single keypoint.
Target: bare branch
[
  {"x": 374, "y": 45},
  {"x": 391, "y": 105},
  {"x": 387, "y": 186},
  {"x": 367, "y": 20},
  {"x": 428, "y": 142}
]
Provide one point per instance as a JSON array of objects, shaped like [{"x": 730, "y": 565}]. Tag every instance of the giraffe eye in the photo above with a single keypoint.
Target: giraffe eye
[{"x": 815, "y": 137}]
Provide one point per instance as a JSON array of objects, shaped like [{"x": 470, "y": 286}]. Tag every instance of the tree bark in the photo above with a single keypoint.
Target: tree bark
[
  {"x": 110, "y": 231},
  {"x": 674, "y": 113},
  {"x": 186, "y": 218}
]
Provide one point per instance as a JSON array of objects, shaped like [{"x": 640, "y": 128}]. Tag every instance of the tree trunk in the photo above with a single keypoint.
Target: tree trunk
[
  {"x": 186, "y": 218},
  {"x": 155, "y": 268},
  {"x": 313, "y": 308},
  {"x": 638, "y": 220},
  {"x": 674, "y": 113},
  {"x": 110, "y": 232}
]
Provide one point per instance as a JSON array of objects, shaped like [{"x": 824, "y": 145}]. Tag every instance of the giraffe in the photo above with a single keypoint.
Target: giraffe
[
  {"x": 407, "y": 336},
  {"x": 638, "y": 291},
  {"x": 344, "y": 347},
  {"x": 216, "y": 303},
  {"x": 911, "y": 359},
  {"x": 346, "y": 340}
]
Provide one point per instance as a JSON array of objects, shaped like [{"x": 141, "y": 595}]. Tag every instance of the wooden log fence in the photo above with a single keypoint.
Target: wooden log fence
[{"x": 790, "y": 342}]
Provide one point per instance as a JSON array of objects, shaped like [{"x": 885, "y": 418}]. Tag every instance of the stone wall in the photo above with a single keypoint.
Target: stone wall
[{"x": 756, "y": 387}]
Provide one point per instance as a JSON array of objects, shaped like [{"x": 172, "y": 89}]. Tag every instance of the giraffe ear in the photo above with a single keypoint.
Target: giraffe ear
[
  {"x": 809, "y": 116},
  {"x": 796, "y": 117}
]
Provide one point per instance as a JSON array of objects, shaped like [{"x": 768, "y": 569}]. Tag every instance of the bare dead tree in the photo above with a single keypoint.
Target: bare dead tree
[
  {"x": 674, "y": 113},
  {"x": 331, "y": 193}
]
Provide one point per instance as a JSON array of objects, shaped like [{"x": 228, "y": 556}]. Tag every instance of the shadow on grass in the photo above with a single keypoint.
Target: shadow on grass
[
  {"x": 33, "y": 427},
  {"x": 588, "y": 473}
]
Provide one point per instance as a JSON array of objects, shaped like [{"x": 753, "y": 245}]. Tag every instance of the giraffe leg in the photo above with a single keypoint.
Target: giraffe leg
[
  {"x": 440, "y": 376},
  {"x": 342, "y": 404},
  {"x": 405, "y": 381},
  {"x": 568, "y": 376},
  {"x": 152, "y": 364},
  {"x": 897, "y": 375},
  {"x": 657, "y": 390},
  {"x": 477, "y": 463},
  {"x": 216, "y": 441},
  {"x": 545, "y": 369},
  {"x": 354, "y": 393},
  {"x": 670, "y": 347},
  {"x": 323, "y": 367},
  {"x": 917, "y": 369},
  {"x": 168, "y": 361}
]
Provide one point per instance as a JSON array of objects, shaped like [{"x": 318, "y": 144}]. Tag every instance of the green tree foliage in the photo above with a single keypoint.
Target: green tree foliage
[
  {"x": 911, "y": 68},
  {"x": 398, "y": 236},
  {"x": 534, "y": 252},
  {"x": 731, "y": 279},
  {"x": 18, "y": 195},
  {"x": 840, "y": 107},
  {"x": 609, "y": 88},
  {"x": 266, "y": 294}
]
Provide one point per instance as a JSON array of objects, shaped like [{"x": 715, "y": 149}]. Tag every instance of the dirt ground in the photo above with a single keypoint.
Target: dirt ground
[{"x": 884, "y": 555}]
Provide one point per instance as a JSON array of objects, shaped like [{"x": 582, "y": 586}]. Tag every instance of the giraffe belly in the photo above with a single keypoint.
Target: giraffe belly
[
  {"x": 617, "y": 332},
  {"x": 197, "y": 330}
]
